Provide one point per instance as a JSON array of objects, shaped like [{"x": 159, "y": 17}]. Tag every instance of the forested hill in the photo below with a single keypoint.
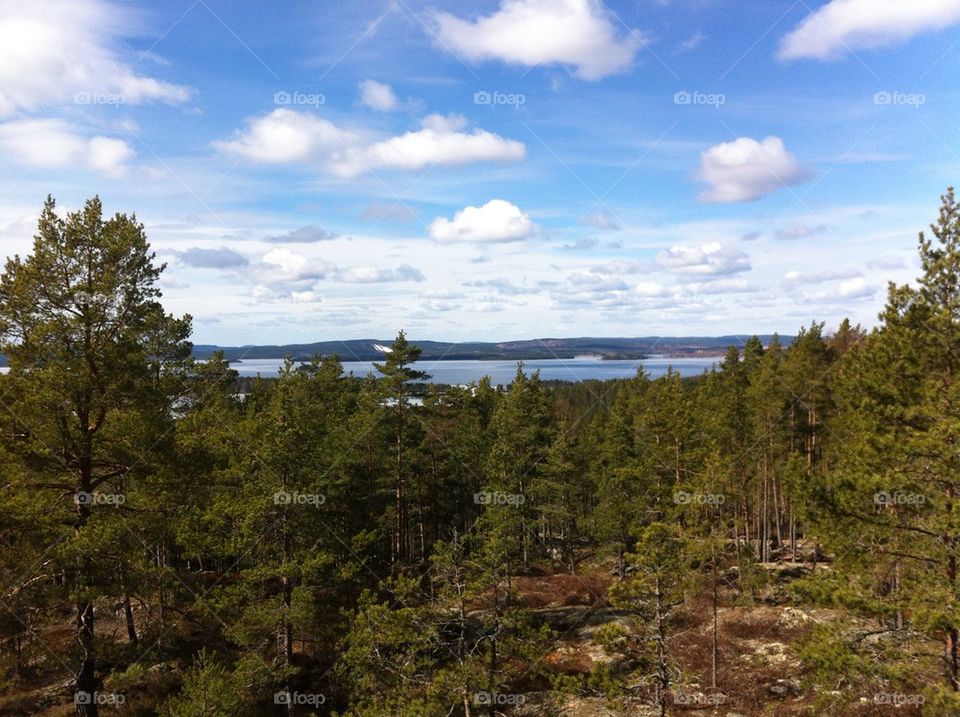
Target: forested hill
[
  {"x": 623, "y": 348},
  {"x": 779, "y": 537}
]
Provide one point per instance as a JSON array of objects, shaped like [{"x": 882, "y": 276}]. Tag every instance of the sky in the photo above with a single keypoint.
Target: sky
[{"x": 491, "y": 170}]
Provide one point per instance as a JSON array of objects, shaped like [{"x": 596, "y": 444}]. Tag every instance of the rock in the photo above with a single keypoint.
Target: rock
[
  {"x": 792, "y": 618},
  {"x": 784, "y": 688}
]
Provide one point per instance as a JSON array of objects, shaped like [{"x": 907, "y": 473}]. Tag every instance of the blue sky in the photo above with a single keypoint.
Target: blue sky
[{"x": 492, "y": 170}]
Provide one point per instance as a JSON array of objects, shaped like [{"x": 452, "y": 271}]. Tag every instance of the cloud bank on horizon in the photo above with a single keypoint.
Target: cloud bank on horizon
[{"x": 496, "y": 169}]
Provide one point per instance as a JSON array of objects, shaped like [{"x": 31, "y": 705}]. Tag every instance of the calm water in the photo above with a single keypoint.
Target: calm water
[{"x": 502, "y": 372}]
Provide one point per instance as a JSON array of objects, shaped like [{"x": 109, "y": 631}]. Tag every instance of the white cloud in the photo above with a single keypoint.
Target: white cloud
[
  {"x": 221, "y": 258},
  {"x": 796, "y": 278},
  {"x": 285, "y": 275},
  {"x": 52, "y": 143},
  {"x": 53, "y": 52},
  {"x": 495, "y": 221},
  {"x": 378, "y": 96},
  {"x": 707, "y": 260},
  {"x": 440, "y": 141},
  {"x": 651, "y": 288},
  {"x": 440, "y": 300},
  {"x": 108, "y": 156},
  {"x": 284, "y": 268},
  {"x": 842, "y": 26},
  {"x": 580, "y": 33},
  {"x": 745, "y": 169},
  {"x": 854, "y": 288},
  {"x": 380, "y": 275},
  {"x": 285, "y": 136}
]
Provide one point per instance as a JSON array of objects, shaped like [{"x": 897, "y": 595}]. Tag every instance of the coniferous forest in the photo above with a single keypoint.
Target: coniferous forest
[{"x": 779, "y": 536}]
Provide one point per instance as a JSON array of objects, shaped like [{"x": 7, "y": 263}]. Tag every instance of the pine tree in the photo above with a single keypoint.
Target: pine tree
[
  {"x": 887, "y": 506},
  {"x": 79, "y": 324},
  {"x": 653, "y": 592},
  {"x": 397, "y": 377}
]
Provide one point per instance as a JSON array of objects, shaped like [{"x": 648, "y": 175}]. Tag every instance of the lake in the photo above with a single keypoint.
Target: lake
[{"x": 502, "y": 372}]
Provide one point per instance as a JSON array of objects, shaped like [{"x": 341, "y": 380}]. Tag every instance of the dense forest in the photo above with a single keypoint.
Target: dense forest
[{"x": 175, "y": 543}]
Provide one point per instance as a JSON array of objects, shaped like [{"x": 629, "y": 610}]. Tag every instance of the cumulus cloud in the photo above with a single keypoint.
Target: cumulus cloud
[
  {"x": 440, "y": 141},
  {"x": 722, "y": 286},
  {"x": 622, "y": 266},
  {"x": 285, "y": 136},
  {"x": 711, "y": 259},
  {"x": 495, "y": 221},
  {"x": 378, "y": 96},
  {"x": 281, "y": 273},
  {"x": 589, "y": 289},
  {"x": 440, "y": 300},
  {"x": 502, "y": 286},
  {"x": 796, "y": 278},
  {"x": 582, "y": 34},
  {"x": 841, "y": 26},
  {"x": 745, "y": 170},
  {"x": 53, "y": 52},
  {"x": 222, "y": 258},
  {"x": 304, "y": 235},
  {"x": 53, "y": 143},
  {"x": 855, "y": 288},
  {"x": 380, "y": 275},
  {"x": 286, "y": 275}
]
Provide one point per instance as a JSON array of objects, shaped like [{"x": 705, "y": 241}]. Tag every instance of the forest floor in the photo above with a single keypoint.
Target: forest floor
[{"x": 760, "y": 672}]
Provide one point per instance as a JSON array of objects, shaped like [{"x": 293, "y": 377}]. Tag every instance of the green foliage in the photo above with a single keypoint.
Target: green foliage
[
  {"x": 374, "y": 539},
  {"x": 211, "y": 689}
]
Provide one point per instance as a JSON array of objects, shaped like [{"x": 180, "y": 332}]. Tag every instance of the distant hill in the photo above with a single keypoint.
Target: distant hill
[{"x": 610, "y": 348}]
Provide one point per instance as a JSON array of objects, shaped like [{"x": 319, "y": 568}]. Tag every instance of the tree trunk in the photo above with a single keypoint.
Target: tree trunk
[
  {"x": 86, "y": 680},
  {"x": 953, "y": 658},
  {"x": 85, "y": 699},
  {"x": 663, "y": 672},
  {"x": 714, "y": 645},
  {"x": 128, "y": 618}
]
